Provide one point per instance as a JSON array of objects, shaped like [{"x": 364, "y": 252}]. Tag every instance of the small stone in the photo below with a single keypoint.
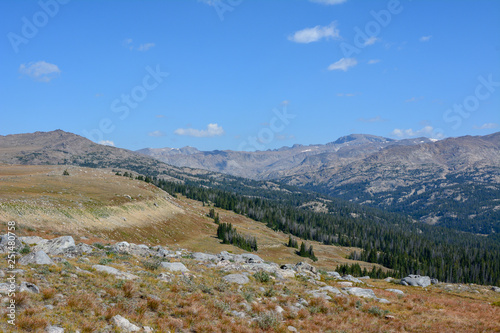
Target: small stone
[
  {"x": 54, "y": 329},
  {"x": 124, "y": 325},
  {"x": 292, "y": 329}
]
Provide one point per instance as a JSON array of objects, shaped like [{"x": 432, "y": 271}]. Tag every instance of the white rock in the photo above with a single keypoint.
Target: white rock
[
  {"x": 29, "y": 287},
  {"x": 396, "y": 291},
  {"x": 236, "y": 278},
  {"x": 174, "y": 266},
  {"x": 38, "y": 257},
  {"x": 360, "y": 292},
  {"x": 54, "y": 329},
  {"x": 113, "y": 271},
  {"x": 124, "y": 325},
  {"x": 56, "y": 246}
]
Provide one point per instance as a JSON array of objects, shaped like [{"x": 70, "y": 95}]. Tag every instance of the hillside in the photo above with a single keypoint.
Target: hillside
[{"x": 160, "y": 281}]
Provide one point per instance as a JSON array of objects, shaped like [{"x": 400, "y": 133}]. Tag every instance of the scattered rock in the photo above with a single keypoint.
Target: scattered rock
[
  {"x": 38, "y": 258},
  {"x": 333, "y": 274},
  {"x": 351, "y": 278},
  {"x": 291, "y": 329},
  {"x": 204, "y": 257},
  {"x": 5, "y": 288},
  {"x": 166, "y": 277},
  {"x": 345, "y": 284},
  {"x": 29, "y": 287},
  {"x": 360, "y": 292},
  {"x": 252, "y": 258},
  {"x": 124, "y": 325},
  {"x": 113, "y": 271},
  {"x": 5, "y": 246},
  {"x": 305, "y": 267},
  {"x": 388, "y": 279},
  {"x": 416, "y": 281},
  {"x": 236, "y": 278},
  {"x": 32, "y": 240},
  {"x": 383, "y": 300},
  {"x": 495, "y": 289},
  {"x": 174, "y": 266},
  {"x": 396, "y": 291},
  {"x": 434, "y": 281},
  {"x": 57, "y": 246},
  {"x": 54, "y": 329}
]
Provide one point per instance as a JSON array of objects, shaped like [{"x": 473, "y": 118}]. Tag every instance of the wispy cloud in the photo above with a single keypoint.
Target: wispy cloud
[
  {"x": 40, "y": 71},
  {"x": 107, "y": 143},
  {"x": 343, "y": 64},
  {"x": 329, "y": 2},
  {"x": 427, "y": 131},
  {"x": 373, "y": 61},
  {"x": 129, "y": 43},
  {"x": 487, "y": 126},
  {"x": 160, "y": 116},
  {"x": 156, "y": 134},
  {"x": 315, "y": 34},
  {"x": 212, "y": 130},
  {"x": 425, "y": 38},
  {"x": 376, "y": 119},
  {"x": 346, "y": 94}
]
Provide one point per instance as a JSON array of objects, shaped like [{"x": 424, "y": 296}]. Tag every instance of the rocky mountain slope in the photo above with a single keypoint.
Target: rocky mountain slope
[
  {"x": 271, "y": 164},
  {"x": 453, "y": 182}
]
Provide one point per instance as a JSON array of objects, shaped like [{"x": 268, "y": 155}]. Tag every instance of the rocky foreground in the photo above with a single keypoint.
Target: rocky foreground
[{"x": 64, "y": 286}]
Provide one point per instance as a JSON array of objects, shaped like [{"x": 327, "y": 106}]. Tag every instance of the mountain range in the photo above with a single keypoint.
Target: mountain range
[{"x": 453, "y": 182}]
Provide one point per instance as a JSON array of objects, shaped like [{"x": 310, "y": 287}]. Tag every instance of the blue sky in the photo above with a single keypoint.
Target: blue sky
[{"x": 249, "y": 74}]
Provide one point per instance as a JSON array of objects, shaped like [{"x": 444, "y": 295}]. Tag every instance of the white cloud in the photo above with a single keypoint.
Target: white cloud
[
  {"x": 156, "y": 134},
  {"x": 343, "y": 64},
  {"x": 129, "y": 43},
  {"x": 487, "y": 126},
  {"x": 40, "y": 70},
  {"x": 376, "y": 119},
  {"x": 425, "y": 38},
  {"x": 427, "y": 131},
  {"x": 329, "y": 2},
  {"x": 212, "y": 130},
  {"x": 346, "y": 94},
  {"x": 145, "y": 47},
  {"x": 107, "y": 143},
  {"x": 315, "y": 34},
  {"x": 373, "y": 61},
  {"x": 370, "y": 41}
]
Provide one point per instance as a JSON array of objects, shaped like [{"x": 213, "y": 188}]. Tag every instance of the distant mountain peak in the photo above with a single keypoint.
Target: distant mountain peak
[{"x": 361, "y": 138}]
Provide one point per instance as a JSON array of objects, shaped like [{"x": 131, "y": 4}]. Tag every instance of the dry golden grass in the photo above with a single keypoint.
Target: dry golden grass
[{"x": 202, "y": 302}]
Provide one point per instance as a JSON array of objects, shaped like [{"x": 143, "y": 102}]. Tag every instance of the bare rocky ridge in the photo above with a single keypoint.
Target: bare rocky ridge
[{"x": 420, "y": 177}]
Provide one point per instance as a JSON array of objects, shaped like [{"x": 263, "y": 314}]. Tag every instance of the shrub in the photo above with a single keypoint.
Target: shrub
[
  {"x": 25, "y": 250},
  {"x": 375, "y": 310},
  {"x": 268, "y": 320},
  {"x": 128, "y": 289},
  {"x": 151, "y": 265},
  {"x": 262, "y": 276}
]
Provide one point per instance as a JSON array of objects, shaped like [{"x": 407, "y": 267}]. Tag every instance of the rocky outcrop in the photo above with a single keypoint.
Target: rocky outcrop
[
  {"x": 416, "y": 281},
  {"x": 57, "y": 246},
  {"x": 113, "y": 271},
  {"x": 236, "y": 278},
  {"x": 39, "y": 258}
]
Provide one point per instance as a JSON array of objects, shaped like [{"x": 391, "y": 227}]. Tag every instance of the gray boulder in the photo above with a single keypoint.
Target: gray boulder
[
  {"x": 236, "y": 278},
  {"x": 29, "y": 287},
  {"x": 305, "y": 267},
  {"x": 113, "y": 271},
  {"x": 434, "y": 281},
  {"x": 54, "y": 329},
  {"x": 360, "y": 292},
  {"x": 124, "y": 325},
  {"x": 351, "y": 278},
  {"x": 416, "y": 281},
  {"x": 38, "y": 258},
  {"x": 495, "y": 289},
  {"x": 204, "y": 257},
  {"x": 174, "y": 266},
  {"x": 5, "y": 246},
  {"x": 335, "y": 275},
  {"x": 32, "y": 240},
  {"x": 396, "y": 291},
  {"x": 57, "y": 246},
  {"x": 252, "y": 258}
]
